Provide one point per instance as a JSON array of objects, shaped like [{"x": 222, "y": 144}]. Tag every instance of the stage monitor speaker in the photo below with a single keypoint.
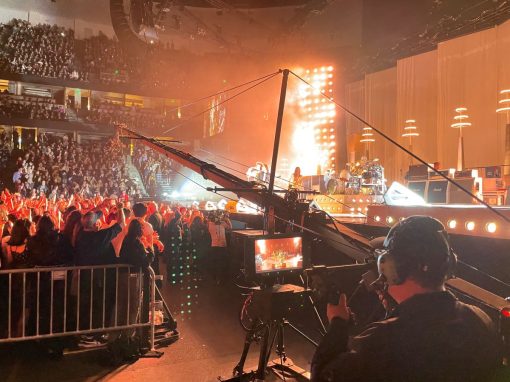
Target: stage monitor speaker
[
  {"x": 418, "y": 187},
  {"x": 457, "y": 196},
  {"x": 437, "y": 191}
]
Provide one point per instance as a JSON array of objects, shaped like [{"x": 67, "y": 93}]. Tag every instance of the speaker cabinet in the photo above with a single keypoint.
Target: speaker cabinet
[{"x": 437, "y": 191}]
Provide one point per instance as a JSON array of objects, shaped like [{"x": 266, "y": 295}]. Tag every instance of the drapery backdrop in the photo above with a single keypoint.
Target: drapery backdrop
[{"x": 468, "y": 71}]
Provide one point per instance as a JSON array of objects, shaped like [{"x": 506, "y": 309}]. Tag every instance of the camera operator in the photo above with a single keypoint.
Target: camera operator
[{"x": 429, "y": 336}]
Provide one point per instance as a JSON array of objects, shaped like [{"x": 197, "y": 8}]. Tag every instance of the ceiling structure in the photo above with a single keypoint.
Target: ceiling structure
[{"x": 248, "y": 26}]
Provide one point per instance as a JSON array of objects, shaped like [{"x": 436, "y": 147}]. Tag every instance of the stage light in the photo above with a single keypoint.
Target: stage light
[
  {"x": 377, "y": 218},
  {"x": 470, "y": 226},
  {"x": 389, "y": 220},
  {"x": 491, "y": 227},
  {"x": 452, "y": 224}
]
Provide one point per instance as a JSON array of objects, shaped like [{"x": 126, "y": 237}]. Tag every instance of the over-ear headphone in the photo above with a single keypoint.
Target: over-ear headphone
[{"x": 417, "y": 246}]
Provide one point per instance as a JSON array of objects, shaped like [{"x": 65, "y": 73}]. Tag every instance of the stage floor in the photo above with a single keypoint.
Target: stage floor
[{"x": 210, "y": 345}]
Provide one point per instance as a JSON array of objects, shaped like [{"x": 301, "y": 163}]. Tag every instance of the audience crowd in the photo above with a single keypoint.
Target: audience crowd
[
  {"x": 106, "y": 112},
  {"x": 52, "y": 51},
  {"x": 58, "y": 167},
  {"x": 42, "y": 232},
  {"x": 69, "y": 208},
  {"x": 19, "y": 106},
  {"x": 42, "y": 50}
]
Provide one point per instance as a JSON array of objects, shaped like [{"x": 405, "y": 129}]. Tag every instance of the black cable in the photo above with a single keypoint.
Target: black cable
[
  {"x": 315, "y": 233},
  {"x": 267, "y": 78},
  {"x": 484, "y": 273},
  {"x": 366, "y": 123},
  {"x": 191, "y": 103}
]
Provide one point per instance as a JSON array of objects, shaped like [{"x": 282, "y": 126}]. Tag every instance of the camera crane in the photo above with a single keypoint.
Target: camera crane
[{"x": 351, "y": 247}]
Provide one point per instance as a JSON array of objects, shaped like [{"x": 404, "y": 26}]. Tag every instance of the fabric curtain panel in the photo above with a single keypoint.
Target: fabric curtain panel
[
  {"x": 381, "y": 112},
  {"x": 468, "y": 71},
  {"x": 416, "y": 100},
  {"x": 468, "y": 77},
  {"x": 355, "y": 101}
]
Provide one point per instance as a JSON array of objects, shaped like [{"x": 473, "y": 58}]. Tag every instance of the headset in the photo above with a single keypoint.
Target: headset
[{"x": 417, "y": 246}]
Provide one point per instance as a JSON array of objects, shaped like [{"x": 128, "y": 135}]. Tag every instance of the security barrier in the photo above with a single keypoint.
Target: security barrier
[{"x": 51, "y": 302}]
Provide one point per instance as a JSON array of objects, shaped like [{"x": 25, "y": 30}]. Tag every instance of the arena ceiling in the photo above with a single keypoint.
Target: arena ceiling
[
  {"x": 250, "y": 26},
  {"x": 374, "y": 32}
]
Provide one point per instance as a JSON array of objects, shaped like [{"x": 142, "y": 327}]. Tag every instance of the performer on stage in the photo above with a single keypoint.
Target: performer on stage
[{"x": 296, "y": 180}]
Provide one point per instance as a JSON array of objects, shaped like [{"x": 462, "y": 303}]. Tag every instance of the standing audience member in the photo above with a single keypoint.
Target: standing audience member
[
  {"x": 155, "y": 219},
  {"x": 15, "y": 256},
  {"x": 201, "y": 243},
  {"x": 217, "y": 225},
  {"x": 68, "y": 235},
  {"x": 14, "y": 251},
  {"x": 94, "y": 247},
  {"x": 43, "y": 246}
]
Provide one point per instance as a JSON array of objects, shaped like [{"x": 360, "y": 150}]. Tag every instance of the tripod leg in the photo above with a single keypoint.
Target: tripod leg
[
  {"x": 265, "y": 351},
  {"x": 250, "y": 337},
  {"x": 280, "y": 345},
  {"x": 274, "y": 333}
]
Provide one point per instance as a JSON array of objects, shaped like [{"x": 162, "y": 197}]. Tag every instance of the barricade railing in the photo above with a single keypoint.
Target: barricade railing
[{"x": 50, "y": 302}]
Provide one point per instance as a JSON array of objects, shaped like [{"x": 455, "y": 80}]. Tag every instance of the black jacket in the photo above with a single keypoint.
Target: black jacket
[
  {"x": 156, "y": 220},
  {"x": 42, "y": 249},
  {"x": 133, "y": 252},
  {"x": 431, "y": 337},
  {"x": 95, "y": 247}
]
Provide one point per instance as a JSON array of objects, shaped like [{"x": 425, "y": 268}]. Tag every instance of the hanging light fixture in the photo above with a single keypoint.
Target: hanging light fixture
[
  {"x": 460, "y": 121},
  {"x": 367, "y": 137},
  {"x": 410, "y": 132},
  {"x": 504, "y": 108},
  {"x": 504, "y": 104}
]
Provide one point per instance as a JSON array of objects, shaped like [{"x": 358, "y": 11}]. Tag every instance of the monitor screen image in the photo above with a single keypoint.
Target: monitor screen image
[{"x": 278, "y": 254}]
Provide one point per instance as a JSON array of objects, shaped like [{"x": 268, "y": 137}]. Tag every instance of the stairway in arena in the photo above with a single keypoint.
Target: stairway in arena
[
  {"x": 165, "y": 185},
  {"x": 134, "y": 175}
]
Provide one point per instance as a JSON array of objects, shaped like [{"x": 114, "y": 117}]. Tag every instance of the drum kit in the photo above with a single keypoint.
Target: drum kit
[{"x": 366, "y": 178}]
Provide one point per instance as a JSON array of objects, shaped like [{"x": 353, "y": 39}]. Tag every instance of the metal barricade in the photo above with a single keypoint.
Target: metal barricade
[{"x": 50, "y": 302}]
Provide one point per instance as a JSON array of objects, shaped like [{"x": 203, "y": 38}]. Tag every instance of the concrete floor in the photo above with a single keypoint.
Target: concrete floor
[{"x": 210, "y": 344}]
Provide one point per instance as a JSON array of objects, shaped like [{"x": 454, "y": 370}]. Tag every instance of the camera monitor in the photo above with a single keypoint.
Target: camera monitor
[{"x": 277, "y": 254}]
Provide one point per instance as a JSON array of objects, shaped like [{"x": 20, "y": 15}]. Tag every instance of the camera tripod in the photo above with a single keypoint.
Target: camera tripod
[{"x": 270, "y": 331}]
